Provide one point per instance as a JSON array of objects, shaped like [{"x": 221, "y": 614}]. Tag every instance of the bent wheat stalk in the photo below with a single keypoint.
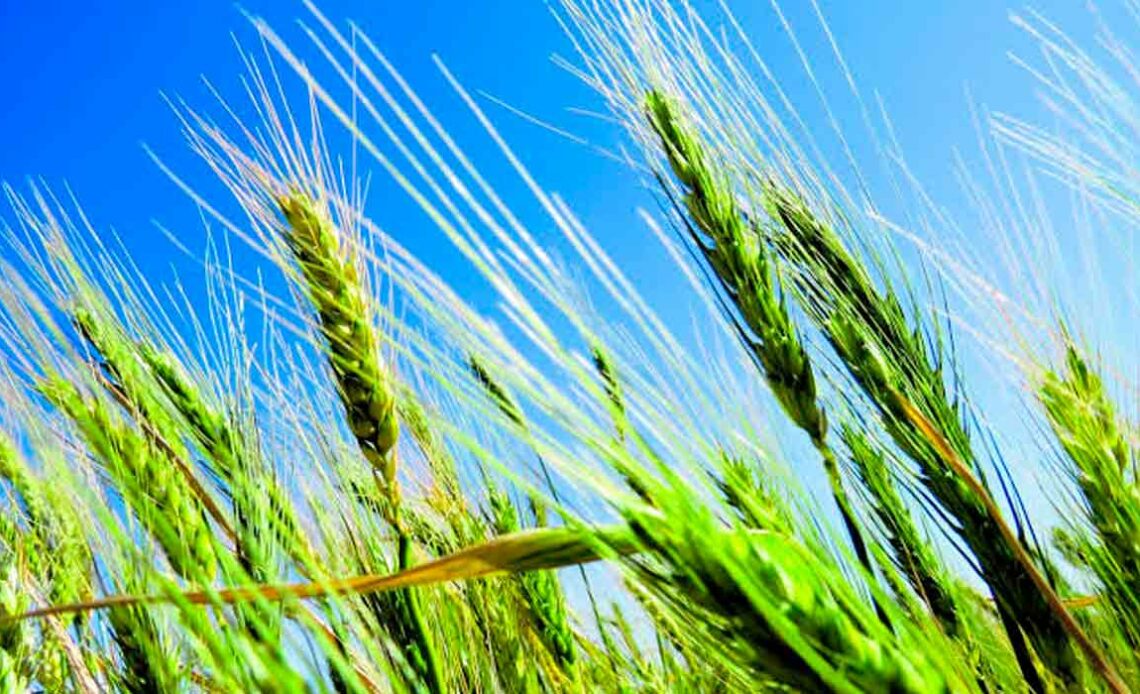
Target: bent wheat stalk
[{"x": 1056, "y": 604}]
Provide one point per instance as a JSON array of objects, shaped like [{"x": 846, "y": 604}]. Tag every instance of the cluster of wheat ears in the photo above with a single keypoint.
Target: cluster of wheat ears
[{"x": 364, "y": 481}]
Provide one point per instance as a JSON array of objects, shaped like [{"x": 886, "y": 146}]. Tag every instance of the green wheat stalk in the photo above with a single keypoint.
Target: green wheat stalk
[
  {"x": 737, "y": 255},
  {"x": 1086, "y": 424},
  {"x": 367, "y": 393}
]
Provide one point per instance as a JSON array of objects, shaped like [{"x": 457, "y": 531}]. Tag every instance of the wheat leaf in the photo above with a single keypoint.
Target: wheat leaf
[{"x": 545, "y": 548}]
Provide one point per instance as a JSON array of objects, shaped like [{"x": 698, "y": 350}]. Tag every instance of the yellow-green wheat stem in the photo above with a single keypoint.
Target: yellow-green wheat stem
[
  {"x": 367, "y": 391},
  {"x": 913, "y": 554},
  {"x": 59, "y": 555},
  {"x": 142, "y": 474},
  {"x": 123, "y": 375},
  {"x": 1085, "y": 422},
  {"x": 256, "y": 492},
  {"x": 515, "y": 553},
  {"x": 736, "y": 252},
  {"x": 542, "y": 591}
]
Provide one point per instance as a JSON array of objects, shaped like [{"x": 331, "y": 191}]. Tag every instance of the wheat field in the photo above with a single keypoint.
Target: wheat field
[{"x": 347, "y": 475}]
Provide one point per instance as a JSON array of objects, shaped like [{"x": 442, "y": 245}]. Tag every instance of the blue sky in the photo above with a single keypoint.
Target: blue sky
[{"x": 83, "y": 83}]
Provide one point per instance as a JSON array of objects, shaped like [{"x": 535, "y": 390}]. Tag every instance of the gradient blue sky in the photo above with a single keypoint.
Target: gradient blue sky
[{"x": 83, "y": 82}]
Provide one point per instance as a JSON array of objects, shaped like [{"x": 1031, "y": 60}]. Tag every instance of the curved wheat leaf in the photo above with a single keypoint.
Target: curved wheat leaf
[{"x": 530, "y": 550}]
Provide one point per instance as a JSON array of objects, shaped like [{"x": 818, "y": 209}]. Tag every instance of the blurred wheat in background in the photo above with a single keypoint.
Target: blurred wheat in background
[{"x": 353, "y": 477}]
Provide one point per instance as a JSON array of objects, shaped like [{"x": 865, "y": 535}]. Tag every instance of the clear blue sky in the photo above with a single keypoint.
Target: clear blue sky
[{"x": 83, "y": 82}]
